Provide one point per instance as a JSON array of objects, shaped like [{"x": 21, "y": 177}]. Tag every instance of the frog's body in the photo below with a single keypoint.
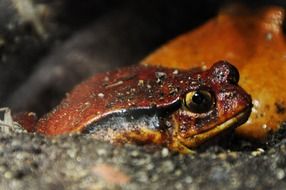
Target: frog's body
[{"x": 150, "y": 104}]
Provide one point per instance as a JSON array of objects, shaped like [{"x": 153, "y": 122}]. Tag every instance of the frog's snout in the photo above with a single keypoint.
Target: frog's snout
[
  {"x": 224, "y": 72},
  {"x": 232, "y": 99}
]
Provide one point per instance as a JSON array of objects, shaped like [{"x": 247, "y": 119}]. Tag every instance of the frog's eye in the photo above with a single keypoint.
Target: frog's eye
[{"x": 200, "y": 101}]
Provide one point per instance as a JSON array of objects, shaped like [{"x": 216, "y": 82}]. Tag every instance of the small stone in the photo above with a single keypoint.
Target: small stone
[
  {"x": 257, "y": 152},
  {"x": 189, "y": 179},
  {"x": 222, "y": 156},
  {"x": 150, "y": 166},
  {"x": 142, "y": 177},
  {"x": 165, "y": 152},
  {"x": 8, "y": 175},
  {"x": 233, "y": 155},
  {"x": 178, "y": 185},
  {"x": 71, "y": 153},
  {"x": 280, "y": 174},
  {"x": 178, "y": 172},
  {"x": 111, "y": 174},
  {"x": 134, "y": 153},
  {"x": 168, "y": 166},
  {"x": 101, "y": 152}
]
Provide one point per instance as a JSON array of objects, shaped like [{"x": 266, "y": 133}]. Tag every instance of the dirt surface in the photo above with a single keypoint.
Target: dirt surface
[{"x": 30, "y": 161}]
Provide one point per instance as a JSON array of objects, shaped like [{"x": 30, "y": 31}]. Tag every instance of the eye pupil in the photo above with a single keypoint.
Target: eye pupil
[
  {"x": 200, "y": 101},
  {"x": 198, "y": 98}
]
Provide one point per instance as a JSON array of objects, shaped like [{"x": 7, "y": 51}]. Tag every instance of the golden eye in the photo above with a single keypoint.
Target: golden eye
[{"x": 199, "y": 101}]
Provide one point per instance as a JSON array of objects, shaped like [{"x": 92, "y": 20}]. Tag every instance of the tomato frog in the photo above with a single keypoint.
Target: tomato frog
[{"x": 180, "y": 109}]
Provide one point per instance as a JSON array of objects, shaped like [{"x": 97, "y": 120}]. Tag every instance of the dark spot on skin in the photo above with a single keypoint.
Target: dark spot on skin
[
  {"x": 168, "y": 124},
  {"x": 267, "y": 106},
  {"x": 153, "y": 105},
  {"x": 183, "y": 129},
  {"x": 280, "y": 108},
  {"x": 160, "y": 76},
  {"x": 199, "y": 79},
  {"x": 109, "y": 105}
]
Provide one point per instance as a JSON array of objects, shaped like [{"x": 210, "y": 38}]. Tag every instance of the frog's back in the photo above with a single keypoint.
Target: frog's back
[{"x": 129, "y": 90}]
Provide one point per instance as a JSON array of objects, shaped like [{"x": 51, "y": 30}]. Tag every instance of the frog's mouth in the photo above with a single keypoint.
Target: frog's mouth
[{"x": 233, "y": 122}]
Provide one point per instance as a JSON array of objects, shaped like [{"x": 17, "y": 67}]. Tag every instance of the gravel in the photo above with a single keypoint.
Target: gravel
[{"x": 31, "y": 161}]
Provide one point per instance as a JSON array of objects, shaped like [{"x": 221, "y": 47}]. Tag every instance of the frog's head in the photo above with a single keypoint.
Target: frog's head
[{"x": 211, "y": 104}]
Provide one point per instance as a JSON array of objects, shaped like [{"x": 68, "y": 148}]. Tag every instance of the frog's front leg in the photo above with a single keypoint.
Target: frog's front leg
[{"x": 149, "y": 136}]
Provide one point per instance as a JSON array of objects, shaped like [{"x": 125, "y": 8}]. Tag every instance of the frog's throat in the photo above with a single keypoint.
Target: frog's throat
[{"x": 196, "y": 140}]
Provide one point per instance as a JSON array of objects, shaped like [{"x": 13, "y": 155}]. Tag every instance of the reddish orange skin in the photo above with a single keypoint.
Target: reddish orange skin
[
  {"x": 147, "y": 104},
  {"x": 105, "y": 93},
  {"x": 147, "y": 87}
]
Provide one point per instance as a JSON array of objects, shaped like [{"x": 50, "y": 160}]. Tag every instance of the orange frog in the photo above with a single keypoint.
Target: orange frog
[
  {"x": 255, "y": 43},
  {"x": 179, "y": 109}
]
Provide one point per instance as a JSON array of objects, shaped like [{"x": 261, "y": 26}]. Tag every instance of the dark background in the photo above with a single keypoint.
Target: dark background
[{"x": 85, "y": 37}]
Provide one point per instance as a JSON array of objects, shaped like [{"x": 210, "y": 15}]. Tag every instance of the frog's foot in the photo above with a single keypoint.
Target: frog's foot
[
  {"x": 177, "y": 146},
  {"x": 7, "y": 124},
  {"x": 138, "y": 136},
  {"x": 146, "y": 136}
]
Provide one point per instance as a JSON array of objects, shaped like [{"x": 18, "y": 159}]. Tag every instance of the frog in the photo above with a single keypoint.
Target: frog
[{"x": 143, "y": 104}]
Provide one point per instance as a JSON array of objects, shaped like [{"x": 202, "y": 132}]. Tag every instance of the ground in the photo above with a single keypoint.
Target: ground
[{"x": 31, "y": 161}]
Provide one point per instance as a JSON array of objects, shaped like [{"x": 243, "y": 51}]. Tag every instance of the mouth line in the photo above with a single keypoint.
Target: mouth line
[{"x": 235, "y": 121}]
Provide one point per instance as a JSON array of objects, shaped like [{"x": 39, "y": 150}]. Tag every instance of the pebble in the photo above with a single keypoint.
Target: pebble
[
  {"x": 167, "y": 166},
  {"x": 153, "y": 169},
  {"x": 164, "y": 152},
  {"x": 257, "y": 152},
  {"x": 280, "y": 173}
]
